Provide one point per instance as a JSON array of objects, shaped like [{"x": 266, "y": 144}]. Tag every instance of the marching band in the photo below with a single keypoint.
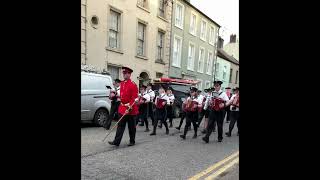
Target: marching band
[{"x": 213, "y": 105}]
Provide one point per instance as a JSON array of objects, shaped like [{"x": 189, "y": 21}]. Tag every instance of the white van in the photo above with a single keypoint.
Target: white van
[{"x": 95, "y": 102}]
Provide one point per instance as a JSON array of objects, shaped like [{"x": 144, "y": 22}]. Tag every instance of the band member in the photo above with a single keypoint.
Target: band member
[
  {"x": 160, "y": 101},
  {"x": 114, "y": 96},
  {"x": 234, "y": 111},
  {"x": 206, "y": 113},
  {"x": 201, "y": 99},
  {"x": 142, "y": 102},
  {"x": 170, "y": 106},
  {"x": 227, "y": 109},
  {"x": 192, "y": 105},
  {"x": 128, "y": 94},
  {"x": 183, "y": 114},
  {"x": 216, "y": 104},
  {"x": 150, "y": 104}
]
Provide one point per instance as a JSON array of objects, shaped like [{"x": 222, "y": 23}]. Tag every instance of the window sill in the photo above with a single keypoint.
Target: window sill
[
  {"x": 190, "y": 70},
  {"x": 160, "y": 62},
  {"x": 178, "y": 27},
  {"x": 200, "y": 72},
  {"x": 143, "y": 8},
  {"x": 176, "y": 66},
  {"x": 164, "y": 19},
  {"x": 212, "y": 44},
  {"x": 202, "y": 39},
  {"x": 193, "y": 34},
  {"x": 141, "y": 57},
  {"x": 114, "y": 50}
]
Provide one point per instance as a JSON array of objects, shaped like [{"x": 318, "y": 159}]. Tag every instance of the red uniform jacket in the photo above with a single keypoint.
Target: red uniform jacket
[{"x": 128, "y": 93}]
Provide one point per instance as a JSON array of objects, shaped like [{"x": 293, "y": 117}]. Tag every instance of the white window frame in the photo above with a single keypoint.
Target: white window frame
[
  {"x": 200, "y": 68},
  {"x": 207, "y": 82},
  {"x": 205, "y": 30},
  {"x": 209, "y": 67},
  {"x": 163, "y": 44},
  {"x": 119, "y": 39},
  {"x": 144, "y": 54},
  {"x": 182, "y": 15},
  {"x": 193, "y": 58},
  {"x": 195, "y": 26},
  {"x": 224, "y": 72},
  {"x": 199, "y": 85},
  {"x": 211, "y": 39},
  {"x": 178, "y": 63},
  {"x": 217, "y": 68}
]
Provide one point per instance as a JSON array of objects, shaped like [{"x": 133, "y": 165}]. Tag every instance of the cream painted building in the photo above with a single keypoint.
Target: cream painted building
[{"x": 133, "y": 33}]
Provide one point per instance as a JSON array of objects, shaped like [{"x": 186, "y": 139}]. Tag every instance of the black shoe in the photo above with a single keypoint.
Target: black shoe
[
  {"x": 204, "y": 131},
  {"x": 183, "y": 136},
  {"x": 152, "y": 134},
  {"x": 178, "y": 128},
  {"x": 171, "y": 125},
  {"x": 228, "y": 134},
  {"x": 194, "y": 136},
  {"x": 167, "y": 131},
  {"x": 214, "y": 131},
  {"x": 112, "y": 143},
  {"x": 160, "y": 126},
  {"x": 219, "y": 140},
  {"x": 205, "y": 139},
  {"x": 147, "y": 130},
  {"x": 131, "y": 144}
]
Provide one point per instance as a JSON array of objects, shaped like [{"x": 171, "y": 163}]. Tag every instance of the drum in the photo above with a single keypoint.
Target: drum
[{"x": 159, "y": 104}]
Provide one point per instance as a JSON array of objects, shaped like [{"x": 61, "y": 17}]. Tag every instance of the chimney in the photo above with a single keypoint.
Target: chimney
[
  {"x": 220, "y": 43},
  {"x": 233, "y": 38}
]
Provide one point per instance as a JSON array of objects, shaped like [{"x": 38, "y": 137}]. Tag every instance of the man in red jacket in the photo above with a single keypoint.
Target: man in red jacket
[{"x": 128, "y": 94}]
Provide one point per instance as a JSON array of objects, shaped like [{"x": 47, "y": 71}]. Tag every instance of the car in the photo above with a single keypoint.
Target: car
[
  {"x": 180, "y": 89},
  {"x": 95, "y": 102}
]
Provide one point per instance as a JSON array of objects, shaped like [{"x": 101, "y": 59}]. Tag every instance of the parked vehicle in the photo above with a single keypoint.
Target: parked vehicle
[
  {"x": 180, "y": 89},
  {"x": 95, "y": 102}
]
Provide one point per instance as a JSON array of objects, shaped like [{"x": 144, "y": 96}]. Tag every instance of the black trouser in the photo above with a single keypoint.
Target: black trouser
[
  {"x": 113, "y": 114},
  {"x": 183, "y": 115},
  {"x": 122, "y": 126},
  {"x": 170, "y": 113},
  {"x": 234, "y": 117},
  {"x": 201, "y": 115},
  {"x": 161, "y": 115},
  {"x": 215, "y": 116},
  {"x": 150, "y": 111},
  {"x": 228, "y": 113},
  {"x": 191, "y": 117},
  {"x": 143, "y": 113}
]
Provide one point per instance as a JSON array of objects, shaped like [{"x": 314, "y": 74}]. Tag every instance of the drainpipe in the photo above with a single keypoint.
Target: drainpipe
[
  {"x": 216, "y": 55},
  {"x": 171, "y": 44}
]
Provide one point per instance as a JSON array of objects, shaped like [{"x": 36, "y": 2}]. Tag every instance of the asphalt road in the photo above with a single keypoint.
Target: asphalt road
[{"x": 153, "y": 157}]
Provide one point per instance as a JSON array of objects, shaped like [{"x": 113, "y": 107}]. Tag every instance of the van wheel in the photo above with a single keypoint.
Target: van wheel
[
  {"x": 176, "y": 112},
  {"x": 100, "y": 117}
]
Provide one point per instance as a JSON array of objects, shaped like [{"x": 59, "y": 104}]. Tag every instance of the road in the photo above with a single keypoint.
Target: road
[{"x": 162, "y": 157}]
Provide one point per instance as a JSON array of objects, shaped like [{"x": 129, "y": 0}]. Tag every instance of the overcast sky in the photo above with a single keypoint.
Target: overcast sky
[{"x": 224, "y": 12}]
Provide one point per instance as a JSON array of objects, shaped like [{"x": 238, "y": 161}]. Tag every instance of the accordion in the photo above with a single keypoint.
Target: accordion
[
  {"x": 215, "y": 102},
  {"x": 112, "y": 95},
  {"x": 191, "y": 106},
  {"x": 141, "y": 100},
  {"x": 159, "y": 103}
]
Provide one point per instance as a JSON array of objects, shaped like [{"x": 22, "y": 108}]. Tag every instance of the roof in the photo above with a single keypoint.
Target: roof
[
  {"x": 200, "y": 12},
  {"x": 226, "y": 56}
]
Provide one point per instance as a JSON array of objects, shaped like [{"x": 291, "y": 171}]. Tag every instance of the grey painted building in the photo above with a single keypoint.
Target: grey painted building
[{"x": 193, "y": 44}]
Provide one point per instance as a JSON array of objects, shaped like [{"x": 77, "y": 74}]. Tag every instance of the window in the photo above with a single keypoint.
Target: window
[
  {"x": 193, "y": 24},
  {"x": 217, "y": 70},
  {"x": 207, "y": 84},
  {"x": 179, "y": 15},
  {"x": 211, "y": 36},
  {"x": 224, "y": 72},
  {"x": 230, "y": 77},
  {"x": 114, "y": 71},
  {"x": 161, "y": 8},
  {"x": 191, "y": 55},
  {"x": 199, "y": 85},
  {"x": 142, "y": 3},
  {"x": 203, "y": 32},
  {"x": 177, "y": 44},
  {"x": 237, "y": 76},
  {"x": 201, "y": 60},
  {"x": 209, "y": 63},
  {"x": 141, "y": 39},
  {"x": 160, "y": 46},
  {"x": 114, "y": 30}
]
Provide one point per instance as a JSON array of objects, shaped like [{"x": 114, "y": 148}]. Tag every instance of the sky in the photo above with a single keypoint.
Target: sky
[{"x": 223, "y": 12}]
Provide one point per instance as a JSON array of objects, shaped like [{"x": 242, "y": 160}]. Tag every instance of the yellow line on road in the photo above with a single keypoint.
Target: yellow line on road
[
  {"x": 213, "y": 167},
  {"x": 222, "y": 169}
]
